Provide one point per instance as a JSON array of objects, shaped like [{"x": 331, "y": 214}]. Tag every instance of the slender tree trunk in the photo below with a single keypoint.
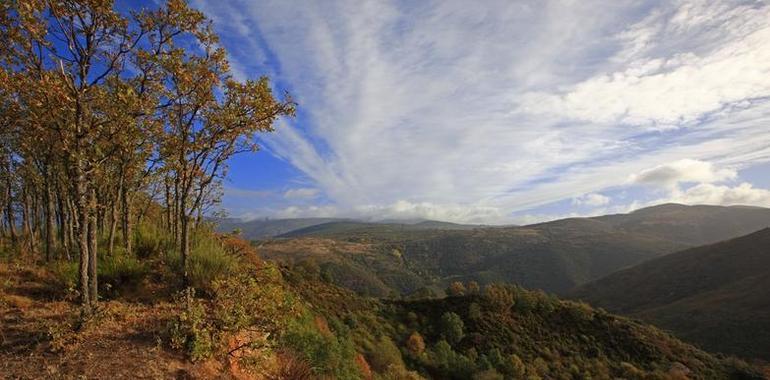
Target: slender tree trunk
[
  {"x": 113, "y": 229},
  {"x": 178, "y": 211},
  {"x": 81, "y": 204},
  {"x": 10, "y": 215},
  {"x": 169, "y": 210},
  {"x": 74, "y": 221},
  {"x": 26, "y": 224},
  {"x": 50, "y": 221},
  {"x": 62, "y": 220},
  {"x": 127, "y": 226},
  {"x": 93, "y": 227},
  {"x": 114, "y": 216},
  {"x": 185, "y": 245}
]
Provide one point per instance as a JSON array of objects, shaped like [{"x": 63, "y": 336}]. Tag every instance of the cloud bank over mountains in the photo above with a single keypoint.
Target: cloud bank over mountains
[{"x": 508, "y": 111}]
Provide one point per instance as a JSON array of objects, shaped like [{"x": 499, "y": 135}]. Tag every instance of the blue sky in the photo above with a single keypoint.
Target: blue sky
[{"x": 502, "y": 111}]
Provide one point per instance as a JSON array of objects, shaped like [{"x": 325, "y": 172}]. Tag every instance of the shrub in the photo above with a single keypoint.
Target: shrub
[
  {"x": 450, "y": 363},
  {"x": 500, "y": 297},
  {"x": 253, "y": 299},
  {"x": 490, "y": 374},
  {"x": 400, "y": 373},
  {"x": 150, "y": 241},
  {"x": 452, "y": 327},
  {"x": 456, "y": 289},
  {"x": 66, "y": 274},
  {"x": 415, "y": 344},
  {"x": 473, "y": 287},
  {"x": 119, "y": 272},
  {"x": 474, "y": 311},
  {"x": 191, "y": 331},
  {"x": 514, "y": 367},
  {"x": 384, "y": 354},
  {"x": 290, "y": 366},
  {"x": 250, "y": 304},
  {"x": 209, "y": 261},
  {"x": 327, "y": 354}
]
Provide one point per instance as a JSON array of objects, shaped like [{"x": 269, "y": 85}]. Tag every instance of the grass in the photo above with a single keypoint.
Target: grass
[{"x": 209, "y": 260}]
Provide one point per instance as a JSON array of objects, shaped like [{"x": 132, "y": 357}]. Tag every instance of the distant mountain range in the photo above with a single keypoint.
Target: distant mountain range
[
  {"x": 717, "y": 296},
  {"x": 380, "y": 258}
]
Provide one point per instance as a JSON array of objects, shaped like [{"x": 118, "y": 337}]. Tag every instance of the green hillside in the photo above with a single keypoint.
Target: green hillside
[
  {"x": 715, "y": 295},
  {"x": 506, "y": 332},
  {"x": 554, "y": 256}
]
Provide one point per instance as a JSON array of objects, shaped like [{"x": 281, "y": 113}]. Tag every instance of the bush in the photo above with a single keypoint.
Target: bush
[
  {"x": 66, "y": 273},
  {"x": 384, "y": 354},
  {"x": 290, "y": 366},
  {"x": 251, "y": 305},
  {"x": 452, "y": 364},
  {"x": 490, "y": 374},
  {"x": 499, "y": 297},
  {"x": 327, "y": 354},
  {"x": 452, "y": 327},
  {"x": 191, "y": 331},
  {"x": 253, "y": 299},
  {"x": 415, "y": 344},
  {"x": 119, "y": 272},
  {"x": 456, "y": 289},
  {"x": 209, "y": 261},
  {"x": 400, "y": 373},
  {"x": 150, "y": 241},
  {"x": 473, "y": 287}
]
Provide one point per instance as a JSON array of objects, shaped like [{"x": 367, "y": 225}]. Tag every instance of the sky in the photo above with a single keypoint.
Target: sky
[{"x": 501, "y": 112}]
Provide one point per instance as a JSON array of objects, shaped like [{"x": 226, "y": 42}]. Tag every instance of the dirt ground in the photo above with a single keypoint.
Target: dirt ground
[{"x": 41, "y": 336}]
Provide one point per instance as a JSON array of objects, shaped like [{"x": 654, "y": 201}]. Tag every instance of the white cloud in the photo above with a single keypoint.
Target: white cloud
[
  {"x": 685, "y": 170},
  {"x": 591, "y": 199},
  {"x": 706, "y": 193},
  {"x": 426, "y": 210},
  {"x": 301, "y": 193},
  {"x": 679, "y": 88},
  {"x": 479, "y": 111}
]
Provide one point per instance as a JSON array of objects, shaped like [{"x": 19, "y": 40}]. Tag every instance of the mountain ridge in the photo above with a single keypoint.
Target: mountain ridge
[{"x": 715, "y": 295}]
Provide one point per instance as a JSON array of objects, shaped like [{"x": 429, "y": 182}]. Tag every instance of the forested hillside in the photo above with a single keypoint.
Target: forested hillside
[
  {"x": 716, "y": 295},
  {"x": 554, "y": 256}
]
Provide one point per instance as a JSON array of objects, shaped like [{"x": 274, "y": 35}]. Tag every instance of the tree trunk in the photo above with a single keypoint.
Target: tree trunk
[
  {"x": 169, "y": 209},
  {"x": 185, "y": 245},
  {"x": 127, "y": 226},
  {"x": 178, "y": 211},
  {"x": 9, "y": 213},
  {"x": 50, "y": 221},
  {"x": 93, "y": 226},
  {"x": 73, "y": 225},
  {"x": 83, "y": 212},
  {"x": 114, "y": 217}
]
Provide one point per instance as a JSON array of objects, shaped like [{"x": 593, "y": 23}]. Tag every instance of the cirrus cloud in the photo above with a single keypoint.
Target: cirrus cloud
[{"x": 448, "y": 111}]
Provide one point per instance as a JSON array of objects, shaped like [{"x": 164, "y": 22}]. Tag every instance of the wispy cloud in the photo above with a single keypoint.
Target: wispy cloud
[{"x": 462, "y": 111}]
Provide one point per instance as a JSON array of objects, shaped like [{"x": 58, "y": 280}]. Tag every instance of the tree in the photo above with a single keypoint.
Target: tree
[
  {"x": 452, "y": 327},
  {"x": 210, "y": 117},
  {"x": 473, "y": 287},
  {"x": 415, "y": 344},
  {"x": 456, "y": 289},
  {"x": 95, "y": 105}
]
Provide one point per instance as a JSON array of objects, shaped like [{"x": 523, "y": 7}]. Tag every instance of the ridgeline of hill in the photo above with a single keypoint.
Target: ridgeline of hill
[
  {"x": 717, "y": 296},
  {"x": 381, "y": 259},
  {"x": 266, "y": 228}
]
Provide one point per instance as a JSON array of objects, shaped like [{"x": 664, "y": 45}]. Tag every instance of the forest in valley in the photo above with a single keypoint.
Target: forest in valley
[{"x": 116, "y": 134}]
